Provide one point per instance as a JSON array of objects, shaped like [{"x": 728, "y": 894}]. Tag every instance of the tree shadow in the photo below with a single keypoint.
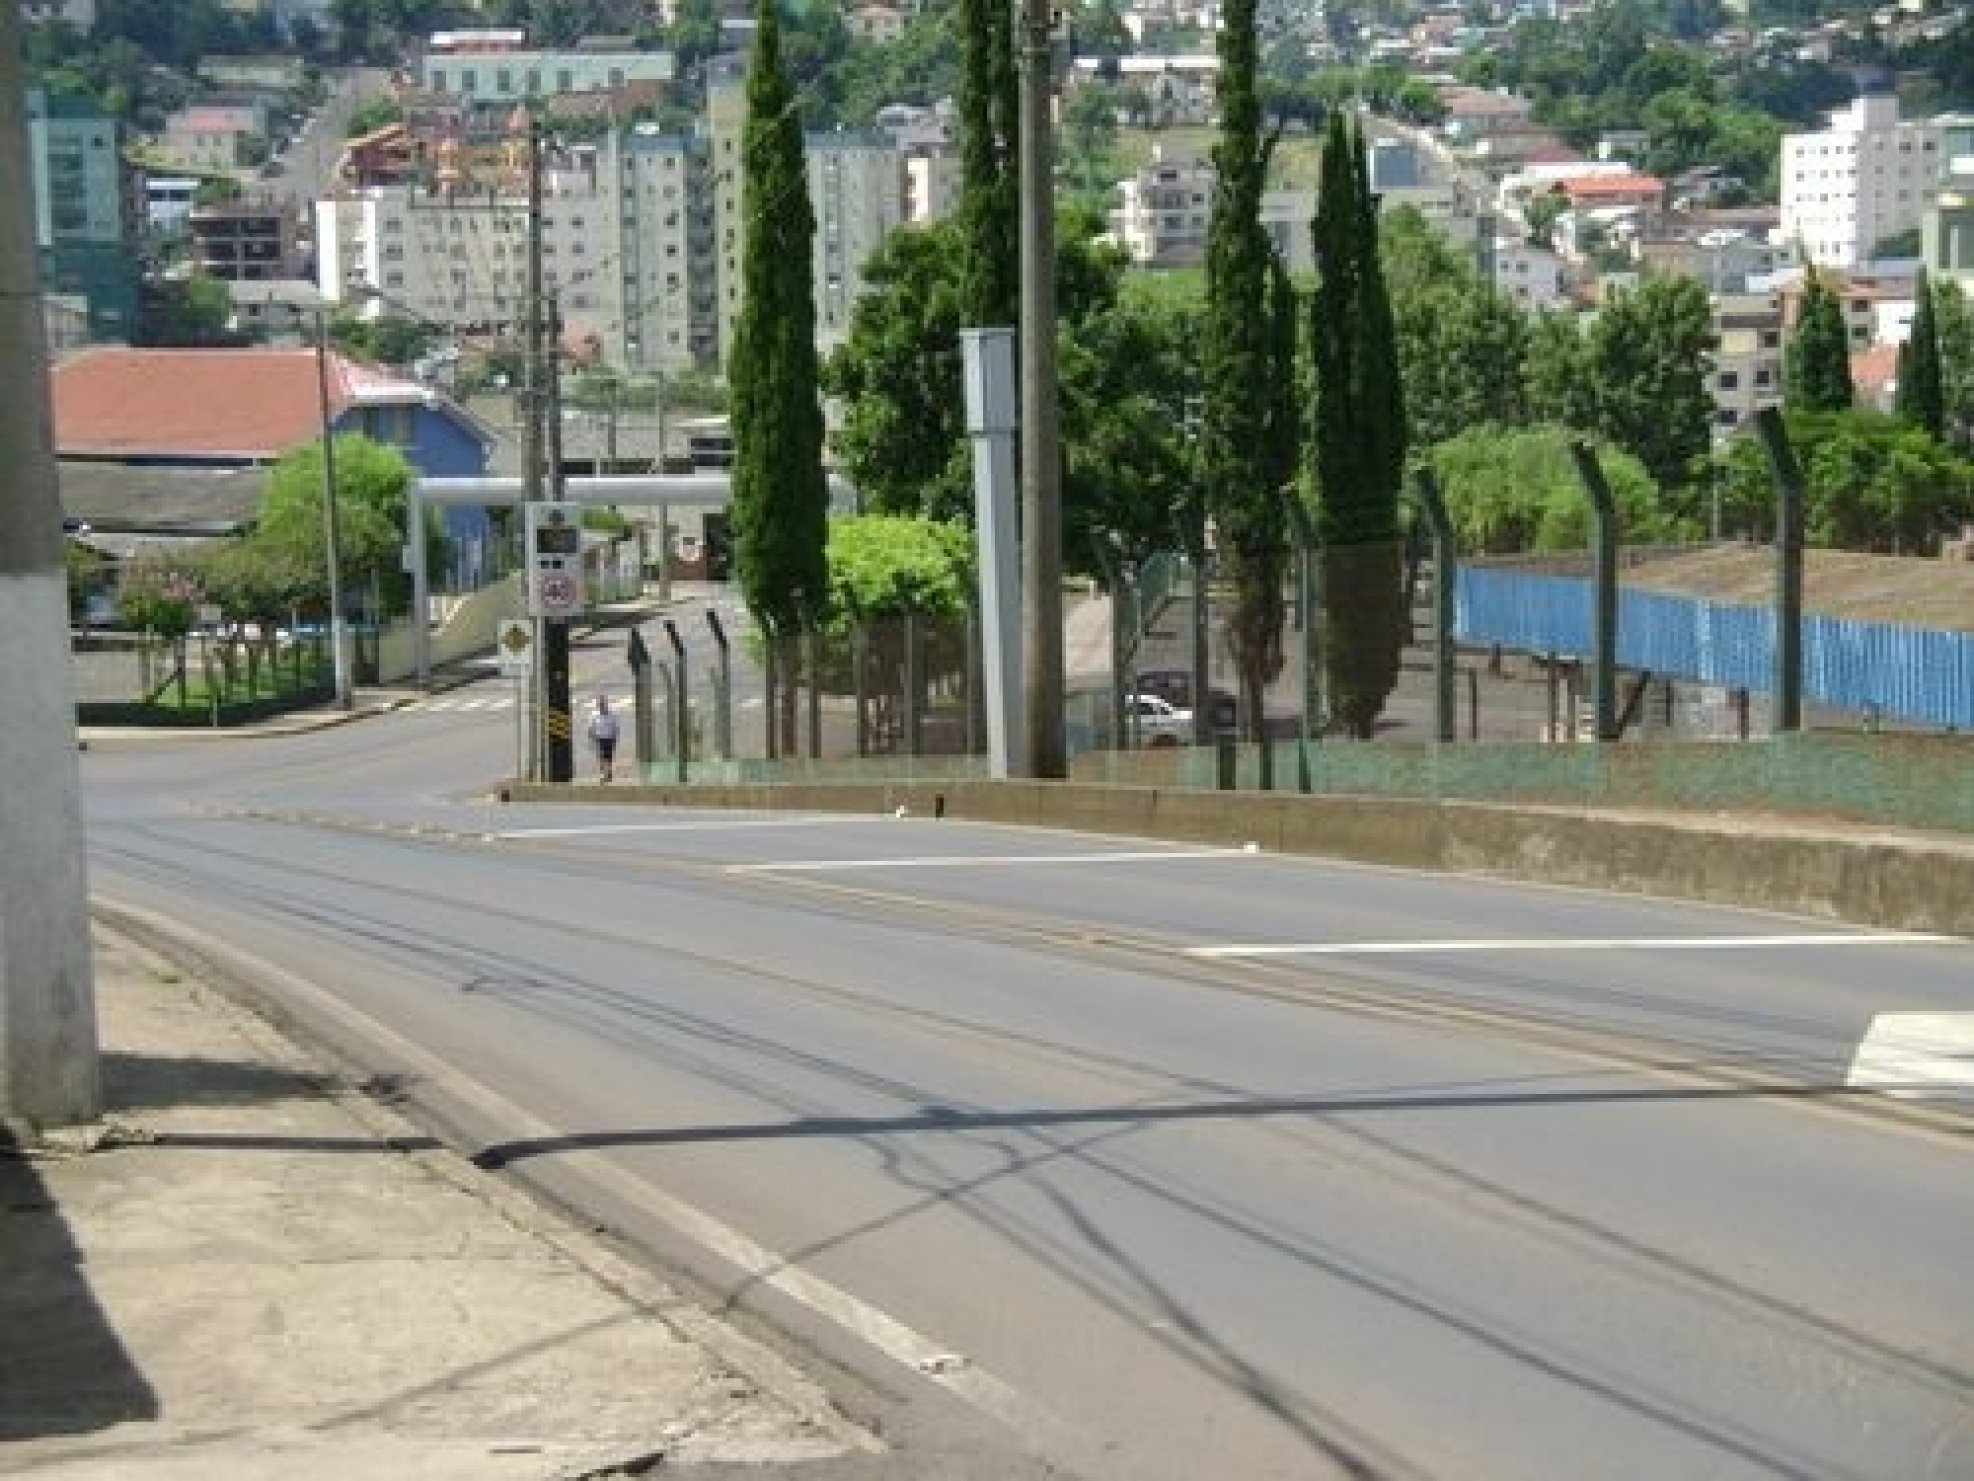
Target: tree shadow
[{"x": 63, "y": 1370}]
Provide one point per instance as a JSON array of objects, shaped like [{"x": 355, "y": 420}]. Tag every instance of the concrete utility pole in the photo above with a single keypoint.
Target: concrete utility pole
[
  {"x": 339, "y": 636},
  {"x": 48, "y": 1051},
  {"x": 1041, "y": 472}
]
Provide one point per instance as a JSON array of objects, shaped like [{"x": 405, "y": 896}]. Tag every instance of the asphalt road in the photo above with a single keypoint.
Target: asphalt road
[{"x": 1177, "y": 1163}]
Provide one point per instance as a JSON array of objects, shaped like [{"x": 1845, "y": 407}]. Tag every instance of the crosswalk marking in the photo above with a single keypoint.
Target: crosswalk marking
[
  {"x": 448, "y": 704},
  {"x": 1920, "y": 1055}
]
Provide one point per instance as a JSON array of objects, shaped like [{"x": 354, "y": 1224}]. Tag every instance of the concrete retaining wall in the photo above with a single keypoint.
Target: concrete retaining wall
[{"x": 1867, "y": 876}]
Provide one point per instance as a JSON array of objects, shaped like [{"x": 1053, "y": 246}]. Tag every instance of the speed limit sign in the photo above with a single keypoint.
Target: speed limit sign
[
  {"x": 558, "y": 594},
  {"x": 554, "y": 537}
]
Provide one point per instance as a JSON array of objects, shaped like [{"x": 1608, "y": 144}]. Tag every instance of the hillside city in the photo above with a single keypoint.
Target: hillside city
[{"x": 227, "y": 174}]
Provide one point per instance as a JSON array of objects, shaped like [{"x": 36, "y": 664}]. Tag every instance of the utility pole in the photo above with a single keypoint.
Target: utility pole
[
  {"x": 555, "y": 638},
  {"x": 48, "y": 1049},
  {"x": 339, "y": 646},
  {"x": 1041, "y": 474}
]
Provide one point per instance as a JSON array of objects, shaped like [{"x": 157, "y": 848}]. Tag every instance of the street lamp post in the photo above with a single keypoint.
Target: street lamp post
[{"x": 331, "y": 524}]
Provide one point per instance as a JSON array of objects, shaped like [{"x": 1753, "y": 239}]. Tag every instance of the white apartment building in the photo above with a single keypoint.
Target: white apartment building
[
  {"x": 1163, "y": 211},
  {"x": 857, "y": 189},
  {"x": 1870, "y": 175},
  {"x": 625, "y": 252},
  {"x": 1747, "y": 362},
  {"x": 492, "y": 72}
]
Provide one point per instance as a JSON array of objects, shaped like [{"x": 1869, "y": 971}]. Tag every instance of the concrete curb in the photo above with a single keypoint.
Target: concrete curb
[{"x": 1870, "y": 876}]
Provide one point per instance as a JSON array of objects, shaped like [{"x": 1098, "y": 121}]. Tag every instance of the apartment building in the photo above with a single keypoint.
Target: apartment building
[
  {"x": 493, "y": 67},
  {"x": 1946, "y": 228},
  {"x": 251, "y": 239},
  {"x": 1747, "y": 363},
  {"x": 81, "y": 230},
  {"x": 1869, "y": 176},
  {"x": 1163, "y": 211},
  {"x": 213, "y": 138}
]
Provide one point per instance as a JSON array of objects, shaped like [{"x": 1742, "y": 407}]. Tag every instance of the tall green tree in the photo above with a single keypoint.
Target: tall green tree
[
  {"x": 989, "y": 106},
  {"x": 1922, "y": 391},
  {"x": 780, "y": 493},
  {"x": 1953, "y": 331},
  {"x": 1360, "y": 440},
  {"x": 373, "y": 481},
  {"x": 1650, "y": 351},
  {"x": 1242, "y": 490},
  {"x": 1816, "y": 362},
  {"x": 1461, "y": 342}
]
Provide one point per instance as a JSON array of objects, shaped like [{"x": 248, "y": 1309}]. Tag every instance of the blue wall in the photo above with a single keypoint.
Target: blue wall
[
  {"x": 1913, "y": 673},
  {"x": 439, "y": 443}
]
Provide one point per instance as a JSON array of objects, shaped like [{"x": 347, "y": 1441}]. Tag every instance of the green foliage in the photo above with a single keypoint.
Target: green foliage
[
  {"x": 158, "y": 595},
  {"x": 989, "y": 204},
  {"x": 1871, "y": 483},
  {"x": 372, "y": 482},
  {"x": 1513, "y": 490},
  {"x": 1921, "y": 386},
  {"x": 1360, "y": 441},
  {"x": 1953, "y": 331},
  {"x": 1238, "y": 455},
  {"x": 1816, "y": 362},
  {"x": 884, "y": 565},
  {"x": 780, "y": 499},
  {"x": 1650, "y": 352},
  {"x": 193, "y": 312},
  {"x": 390, "y": 340},
  {"x": 373, "y": 114},
  {"x": 1461, "y": 345}
]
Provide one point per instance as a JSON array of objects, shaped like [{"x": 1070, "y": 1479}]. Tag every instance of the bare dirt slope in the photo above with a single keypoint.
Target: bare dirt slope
[{"x": 1911, "y": 591}]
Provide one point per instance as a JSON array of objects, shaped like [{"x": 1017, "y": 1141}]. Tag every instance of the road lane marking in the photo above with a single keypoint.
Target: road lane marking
[
  {"x": 1427, "y": 946},
  {"x": 1917, "y": 1055},
  {"x": 709, "y": 825},
  {"x": 982, "y": 861}
]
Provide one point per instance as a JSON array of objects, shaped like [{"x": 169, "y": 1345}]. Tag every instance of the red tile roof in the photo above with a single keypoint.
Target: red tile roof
[
  {"x": 245, "y": 404},
  {"x": 1621, "y": 186}
]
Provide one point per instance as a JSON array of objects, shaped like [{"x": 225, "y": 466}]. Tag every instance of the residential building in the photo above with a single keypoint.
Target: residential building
[
  {"x": 491, "y": 71},
  {"x": 1869, "y": 176},
  {"x": 248, "y": 239},
  {"x": 857, "y": 187},
  {"x": 1747, "y": 362},
  {"x": 81, "y": 233},
  {"x": 663, "y": 253},
  {"x": 78, "y": 13},
  {"x": 1163, "y": 211},
  {"x": 1532, "y": 276},
  {"x": 213, "y": 138},
  {"x": 1946, "y": 228},
  {"x": 140, "y": 426}
]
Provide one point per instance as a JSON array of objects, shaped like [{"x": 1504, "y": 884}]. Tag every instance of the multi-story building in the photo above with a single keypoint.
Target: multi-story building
[
  {"x": 626, "y": 249},
  {"x": 80, "y": 228},
  {"x": 78, "y": 13},
  {"x": 1946, "y": 229},
  {"x": 492, "y": 67},
  {"x": 856, "y": 187},
  {"x": 1163, "y": 211},
  {"x": 1869, "y": 176},
  {"x": 249, "y": 239},
  {"x": 213, "y": 137},
  {"x": 1747, "y": 361}
]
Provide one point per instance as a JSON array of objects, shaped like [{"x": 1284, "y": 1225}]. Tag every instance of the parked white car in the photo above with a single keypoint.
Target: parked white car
[{"x": 1159, "y": 722}]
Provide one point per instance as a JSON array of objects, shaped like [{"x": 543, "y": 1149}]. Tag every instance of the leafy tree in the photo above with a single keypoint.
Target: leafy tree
[
  {"x": 1512, "y": 490},
  {"x": 1650, "y": 355},
  {"x": 372, "y": 481},
  {"x": 1461, "y": 343},
  {"x": 1921, "y": 390},
  {"x": 1953, "y": 331},
  {"x": 1871, "y": 482},
  {"x": 158, "y": 596},
  {"x": 694, "y": 34},
  {"x": 1242, "y": 485},
  {"x": 780, "y": 497},
  {"x": 1557, "y": 373},
  {"x": 191, "y": 312},
  {"x": 1359, "y": 434},
  {"x": 1816, "y": 361}
]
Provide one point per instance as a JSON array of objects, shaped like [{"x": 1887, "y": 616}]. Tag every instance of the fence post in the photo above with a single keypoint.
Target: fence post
[
  {"x": 1426, "y": 485},
  {"x": 1604, "y": 575},
  {"x": 1788, "y": 476}
]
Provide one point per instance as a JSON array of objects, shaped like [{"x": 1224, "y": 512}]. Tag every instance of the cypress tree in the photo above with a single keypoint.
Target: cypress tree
[
  {"x": 989, "y": 104},
  {"x": 1242, "y": 480},
  {"x": 1360, "y": 441},
  {"x": 1922, "y": 388},
  {"x": 1816, "y": 364},
  {"x": 780, "y": 493}
]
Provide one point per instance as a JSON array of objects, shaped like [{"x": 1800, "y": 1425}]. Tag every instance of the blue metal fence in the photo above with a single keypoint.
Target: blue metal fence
[{"x": 1913, "y": 673}]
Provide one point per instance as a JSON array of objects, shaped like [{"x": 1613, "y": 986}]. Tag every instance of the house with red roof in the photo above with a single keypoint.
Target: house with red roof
[{"x": 179, "y": 441}]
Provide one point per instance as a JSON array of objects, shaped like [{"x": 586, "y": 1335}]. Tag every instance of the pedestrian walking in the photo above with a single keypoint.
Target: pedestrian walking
[{"x": 603, "y": 736}]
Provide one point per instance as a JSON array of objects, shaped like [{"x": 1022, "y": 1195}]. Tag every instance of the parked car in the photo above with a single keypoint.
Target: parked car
[
  {"x": 1158, "y": 722},
  {"x": 1175, "y": 687}
]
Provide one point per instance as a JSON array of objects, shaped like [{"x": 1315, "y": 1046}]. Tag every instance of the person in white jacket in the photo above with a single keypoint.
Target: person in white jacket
[{"x": 603, "y": 737}]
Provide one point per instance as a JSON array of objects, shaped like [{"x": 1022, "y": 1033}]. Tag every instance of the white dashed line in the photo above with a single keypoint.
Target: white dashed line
[
  {"x": 986, "y": 861},
  {"x": 1425, "y": 947}
]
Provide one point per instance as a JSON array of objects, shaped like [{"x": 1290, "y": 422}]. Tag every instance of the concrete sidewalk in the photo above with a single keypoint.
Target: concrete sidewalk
[{"x": 249, "y": 1269}]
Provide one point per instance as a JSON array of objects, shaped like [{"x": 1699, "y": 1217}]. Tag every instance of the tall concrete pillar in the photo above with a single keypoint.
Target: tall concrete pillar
[{"x": 48, "y": 1070}]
